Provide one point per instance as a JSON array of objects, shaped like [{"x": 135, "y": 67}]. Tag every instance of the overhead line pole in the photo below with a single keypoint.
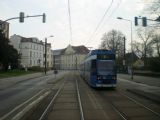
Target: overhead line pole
[
  {"x": 70, "y": 26},
  {"x": 131, "y": 45}
]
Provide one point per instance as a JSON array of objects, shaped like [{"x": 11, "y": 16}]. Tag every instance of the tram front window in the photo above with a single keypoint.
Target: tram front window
[{"x": 105, "y": 67}]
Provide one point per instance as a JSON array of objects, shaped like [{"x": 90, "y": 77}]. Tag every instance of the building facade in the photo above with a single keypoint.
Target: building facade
[
  {"x": 70, "y": 58},
  {"x": 32, "y": 51},
  {"x": 57, "y": 59},
  {"x": 4, "y": 27},
  {"x": 49, "y": 56}
]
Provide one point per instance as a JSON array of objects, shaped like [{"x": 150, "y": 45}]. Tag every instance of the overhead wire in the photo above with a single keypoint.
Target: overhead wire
[
  {"x": 100, "y": 22},
  {"x": 70, "y": 25},
  {"x": 114, "y": 10}
]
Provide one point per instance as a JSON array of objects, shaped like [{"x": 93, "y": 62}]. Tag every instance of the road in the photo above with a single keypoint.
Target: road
[
  {"x": 97, "y": 104},
  {"x": 17, "y": 94}
]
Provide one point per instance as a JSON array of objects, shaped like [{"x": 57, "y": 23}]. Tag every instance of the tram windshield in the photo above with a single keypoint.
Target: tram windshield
[{"x": 105, "y": 67}]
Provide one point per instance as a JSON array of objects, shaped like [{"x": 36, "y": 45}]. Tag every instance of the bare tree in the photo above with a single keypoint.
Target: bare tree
[
  {"x": 144, "y": 48},
  {"x": 113, "y": 40},
  {"x": 156, "y": 43},
  {"x": 154, "y": 8}
]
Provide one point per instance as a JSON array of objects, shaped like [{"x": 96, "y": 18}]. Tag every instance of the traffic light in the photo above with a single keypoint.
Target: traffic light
[
  {"x": 136, "y": 21},
  {"x": 21, "y": 17},
  {"x": 44, "y": 18},
  {"x": 144, "y": 21}
]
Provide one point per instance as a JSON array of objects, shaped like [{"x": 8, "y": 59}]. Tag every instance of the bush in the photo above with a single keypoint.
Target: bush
[
  {"x": 154, "y": 64},
  {"x": 36, "y": 68}
]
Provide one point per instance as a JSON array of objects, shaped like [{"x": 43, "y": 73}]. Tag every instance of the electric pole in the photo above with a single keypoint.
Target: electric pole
[{"x": 45, "y": 56}]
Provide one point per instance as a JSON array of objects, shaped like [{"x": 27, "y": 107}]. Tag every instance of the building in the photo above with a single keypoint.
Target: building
[
  {"x": 57, "y": 58},
  {"x": 32, "y": 51},
  {"x": 70, "y": 58},
  {"x": 49, "y": 56},
  {"x": 4, "y": 27}
]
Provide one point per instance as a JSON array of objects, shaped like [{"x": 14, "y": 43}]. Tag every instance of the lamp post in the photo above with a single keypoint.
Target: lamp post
[
  {"x": 45, "y": 55},
  {"x": 131, "y": 45}
]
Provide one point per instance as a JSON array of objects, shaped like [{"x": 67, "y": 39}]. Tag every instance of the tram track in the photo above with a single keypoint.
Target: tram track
[
  {"x": 44, "y": 114},
  {"x": 64, "y": 90},
  {"x": 124, "y": 114},
  {"x": 135, "y": 101},
  {"x": 125, "y": 106},
  {"x": 96, "y": 103},
  {"x": 80, "y": 101}
]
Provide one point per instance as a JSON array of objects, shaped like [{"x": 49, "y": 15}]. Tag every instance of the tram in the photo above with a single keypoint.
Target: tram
[{"x": 99, "y": 68}]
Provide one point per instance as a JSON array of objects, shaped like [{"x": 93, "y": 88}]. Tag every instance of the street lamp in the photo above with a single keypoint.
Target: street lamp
[
  {"x": 131, "y": 45},
  {"x": 45, "y": 57}
]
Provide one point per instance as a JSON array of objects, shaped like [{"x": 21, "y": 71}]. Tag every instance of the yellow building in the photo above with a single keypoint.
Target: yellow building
[{"x": 70, "y": 58}]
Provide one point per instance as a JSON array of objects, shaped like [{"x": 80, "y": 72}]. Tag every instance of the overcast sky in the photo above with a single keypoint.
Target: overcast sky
[{"x": 85, "y": 16}]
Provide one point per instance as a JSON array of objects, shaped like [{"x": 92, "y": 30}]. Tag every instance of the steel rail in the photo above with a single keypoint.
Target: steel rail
[
  {"x": 79, "y": 101},
  {"x": 133, "y": 100},
  {"x": 117, "y": 110},
  {"x": 50, "y": 104},
  {"x": 114, "y": 108}
]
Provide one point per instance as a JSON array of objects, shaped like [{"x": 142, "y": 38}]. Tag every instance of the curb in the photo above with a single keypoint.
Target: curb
[{"x": 147, "y": 95}]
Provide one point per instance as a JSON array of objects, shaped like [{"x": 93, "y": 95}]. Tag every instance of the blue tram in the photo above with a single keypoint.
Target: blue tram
[{"x": 99, "y": 68}]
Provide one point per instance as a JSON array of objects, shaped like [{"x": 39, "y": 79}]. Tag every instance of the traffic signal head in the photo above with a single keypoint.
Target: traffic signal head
[
  {"x": 136, "y": 21},
  {"x": 21, "y": 17},
  {"x": 44, "y": 18},
  {"x": 144, "y": 21}
]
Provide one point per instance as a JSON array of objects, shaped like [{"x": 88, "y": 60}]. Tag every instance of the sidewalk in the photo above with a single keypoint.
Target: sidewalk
[
  {"x": 7, "y": 82},
  {"x": 147, "y": 87},
  {"x": 142, "y": 79}
]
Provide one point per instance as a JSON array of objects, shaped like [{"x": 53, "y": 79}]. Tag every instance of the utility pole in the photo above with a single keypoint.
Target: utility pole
[
  {"x": 131, "y": 45},
  {"x": 76, "y": 62},
  {"x": 45, "y": 55},
  {"x": 124, "y": 54}
]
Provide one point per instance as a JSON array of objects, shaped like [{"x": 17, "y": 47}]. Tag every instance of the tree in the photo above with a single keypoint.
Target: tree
[
  {"x": 144, "y": 48},
  {"x": 154, "y": 8},
  {"x": 113, "y": 40},
  {"x": 156, "y": 43},
  {"x": 8, "y": 55}
]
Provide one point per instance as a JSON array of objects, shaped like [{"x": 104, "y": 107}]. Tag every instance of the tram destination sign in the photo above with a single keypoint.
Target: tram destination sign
[{"x": 106, "y": 57}]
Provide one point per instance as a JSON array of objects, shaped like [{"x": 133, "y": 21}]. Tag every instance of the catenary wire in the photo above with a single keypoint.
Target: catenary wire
[
  {"x": 100, "y": 22},
  {"x": 116, "y": 8}
]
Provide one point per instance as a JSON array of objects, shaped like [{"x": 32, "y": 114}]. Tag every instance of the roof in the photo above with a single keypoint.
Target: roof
[
  {"x": 78, "y": 49},
  {"x": 57, "y": 52},
  {"x": 33, "y": 40},
  {"x": 101, "y": 51}
]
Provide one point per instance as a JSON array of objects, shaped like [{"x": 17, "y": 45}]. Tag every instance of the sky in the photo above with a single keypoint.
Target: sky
[{"x": 85, "y": 16}]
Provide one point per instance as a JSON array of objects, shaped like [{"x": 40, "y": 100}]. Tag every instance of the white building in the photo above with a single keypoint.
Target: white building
[
  {"x": 32, "y": 51},
  {"x": 49, "y": 56},
  {"x": 70, "y": 58}
]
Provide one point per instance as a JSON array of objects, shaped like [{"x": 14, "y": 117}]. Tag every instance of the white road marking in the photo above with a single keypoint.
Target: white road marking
[{"x": 19, "y": 106}]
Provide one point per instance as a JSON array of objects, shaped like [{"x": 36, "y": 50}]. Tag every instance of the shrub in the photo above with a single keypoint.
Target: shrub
[{"x": 154, "y": 64}]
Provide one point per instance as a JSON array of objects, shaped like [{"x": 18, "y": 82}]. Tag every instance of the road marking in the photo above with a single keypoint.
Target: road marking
[
  {"x": 29, "y": 106},
  {"x": 19, "y": 106}
]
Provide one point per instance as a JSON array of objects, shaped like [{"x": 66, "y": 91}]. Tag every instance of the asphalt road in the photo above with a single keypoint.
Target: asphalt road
[
  {"x": 103, "y": 104},
  {"x": 97, "y": 104},
  {"x": 19, "y": 93}
]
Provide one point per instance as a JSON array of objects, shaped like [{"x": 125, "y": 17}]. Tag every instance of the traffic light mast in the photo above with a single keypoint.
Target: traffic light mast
[{"x": 144, "y": 20}]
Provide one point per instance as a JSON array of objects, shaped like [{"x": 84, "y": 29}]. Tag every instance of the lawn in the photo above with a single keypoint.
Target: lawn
[{"x": 13, "y": 73}]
